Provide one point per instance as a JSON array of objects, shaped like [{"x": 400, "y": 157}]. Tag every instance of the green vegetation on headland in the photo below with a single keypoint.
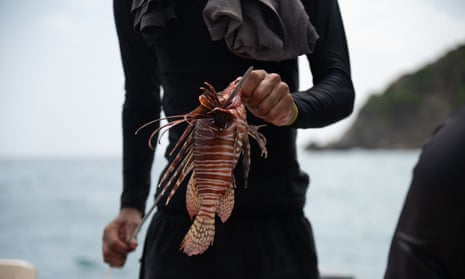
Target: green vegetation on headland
[{"x": 407, "y": 112}]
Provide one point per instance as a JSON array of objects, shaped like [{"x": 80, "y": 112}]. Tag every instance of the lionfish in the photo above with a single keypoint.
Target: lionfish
[{"x": 208, "y": 150}]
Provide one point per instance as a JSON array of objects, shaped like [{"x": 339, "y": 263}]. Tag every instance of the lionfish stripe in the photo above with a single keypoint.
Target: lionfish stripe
[
  {"x": 214, "y": 174},
  {"x": 218, "y": 167},
  {"x": 220, "y": 154},
  {"x": 225, "y": 151},
  {"x": 209, "y": 181}
]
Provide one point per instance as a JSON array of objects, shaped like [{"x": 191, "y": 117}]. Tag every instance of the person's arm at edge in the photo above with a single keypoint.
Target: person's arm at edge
[
  {"x": 332, "y": 96},
  {"x": 142, "y": 104}
]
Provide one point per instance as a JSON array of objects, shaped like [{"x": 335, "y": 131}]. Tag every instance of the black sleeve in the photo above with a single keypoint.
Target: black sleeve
[
  {"x": 141, "y": 105},
  {"x": 332, "y": 96}
]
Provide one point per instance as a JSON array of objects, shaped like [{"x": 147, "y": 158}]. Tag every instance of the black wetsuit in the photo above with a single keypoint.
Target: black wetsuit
[
  {"x": 429, "y": 241},
  {"x": 267, "y": 235}
]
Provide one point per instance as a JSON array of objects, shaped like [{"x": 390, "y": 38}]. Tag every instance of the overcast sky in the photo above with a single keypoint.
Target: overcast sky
[{"x": 61, "y": 83}]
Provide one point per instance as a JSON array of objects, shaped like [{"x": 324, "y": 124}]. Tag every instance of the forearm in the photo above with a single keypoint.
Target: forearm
[
  {"x": 332, "y": 96},
  {"x": 142, "y": 104},
  {"x": 137, "y": 156},
  {"x": 327, "y": 102}
]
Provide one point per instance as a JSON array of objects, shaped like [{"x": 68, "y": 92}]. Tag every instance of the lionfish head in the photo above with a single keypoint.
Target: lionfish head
[{"x": 221, "y": 118}]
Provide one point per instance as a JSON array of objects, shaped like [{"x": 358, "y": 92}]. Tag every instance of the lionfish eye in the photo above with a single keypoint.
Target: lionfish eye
[{"x": 221, "y": 119}]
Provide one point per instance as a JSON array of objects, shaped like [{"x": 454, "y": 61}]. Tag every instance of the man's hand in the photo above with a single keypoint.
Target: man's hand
[
  {"x": 269, "y": 98},
  {"x": 116, "y": 237}
]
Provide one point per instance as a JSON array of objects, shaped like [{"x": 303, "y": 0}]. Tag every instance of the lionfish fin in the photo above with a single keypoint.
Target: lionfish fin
[
  {"x": 181, "y": 172},
  {"x": 181, "y": 119},
  {"x": 181, "y": 159},
  {"x": 226, "y": 204},
  {"x": 246, "y": 159},
  {"x": 192, "y": 198},
  {"x": 259, "y": 137},
  {"x": 200, "y": 235}
]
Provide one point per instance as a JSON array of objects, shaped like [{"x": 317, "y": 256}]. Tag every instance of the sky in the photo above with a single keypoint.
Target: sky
[{"x": 61, "y": 81}]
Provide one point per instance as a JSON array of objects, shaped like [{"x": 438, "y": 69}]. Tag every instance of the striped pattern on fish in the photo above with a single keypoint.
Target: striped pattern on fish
[{"x": 207, "y": 153}]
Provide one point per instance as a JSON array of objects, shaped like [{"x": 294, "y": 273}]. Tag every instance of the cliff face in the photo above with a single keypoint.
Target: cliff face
[{"x": 405, "y": 115}]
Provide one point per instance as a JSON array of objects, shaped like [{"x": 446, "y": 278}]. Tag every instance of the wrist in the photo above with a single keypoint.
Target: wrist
[
  {"x": 131, "y": 211},
  {"x": 294, "y": 116}
]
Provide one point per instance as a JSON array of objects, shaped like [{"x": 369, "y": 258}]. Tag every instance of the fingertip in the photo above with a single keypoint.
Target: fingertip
[
  {"x": 257, "y": 75},
  {"x": 132, "y": 244},
  {"x": 250, "y": 83}
]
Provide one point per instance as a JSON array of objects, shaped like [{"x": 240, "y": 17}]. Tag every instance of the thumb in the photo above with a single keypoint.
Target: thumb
[{"x": 131, "y": 236}]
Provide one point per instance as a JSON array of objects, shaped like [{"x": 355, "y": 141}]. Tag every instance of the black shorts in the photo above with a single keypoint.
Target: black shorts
[{"x": 272, "y": 246}]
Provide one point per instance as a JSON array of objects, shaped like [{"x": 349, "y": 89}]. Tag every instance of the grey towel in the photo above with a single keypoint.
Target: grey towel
[
  {"x": 152, "y": 13},
  {"x": 152, "y": 16},
  {"x": 268, "y": 30}
]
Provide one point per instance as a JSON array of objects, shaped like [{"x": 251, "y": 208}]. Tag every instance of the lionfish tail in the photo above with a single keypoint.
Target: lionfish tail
[{"x": 200, "y": 236}]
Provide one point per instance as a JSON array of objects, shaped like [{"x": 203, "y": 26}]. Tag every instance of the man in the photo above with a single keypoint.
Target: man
[{"x": 177, "y": 45}]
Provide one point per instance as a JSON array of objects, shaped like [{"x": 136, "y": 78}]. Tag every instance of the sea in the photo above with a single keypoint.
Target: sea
[{"x": 53, "y": 211}]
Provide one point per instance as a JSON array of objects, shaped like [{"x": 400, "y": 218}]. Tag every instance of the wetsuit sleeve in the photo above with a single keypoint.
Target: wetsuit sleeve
[
  {"x": 332, "y": 96},
  {"x": 141, "y": 105}
]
